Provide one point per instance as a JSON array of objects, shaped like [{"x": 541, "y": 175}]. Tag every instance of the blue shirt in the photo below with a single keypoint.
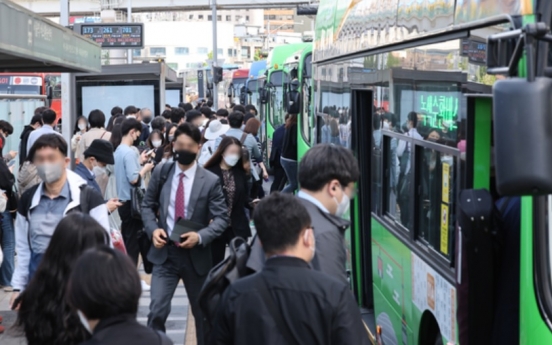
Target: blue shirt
[
  {"x": 45, "y": 217},
  {"x": 313, "y": 200},
  {"x": 88, "y": 176},
  {"x": 127, "y": 169}
]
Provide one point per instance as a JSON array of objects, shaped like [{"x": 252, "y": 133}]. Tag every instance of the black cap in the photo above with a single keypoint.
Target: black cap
[{"x": 102, "y": 150}]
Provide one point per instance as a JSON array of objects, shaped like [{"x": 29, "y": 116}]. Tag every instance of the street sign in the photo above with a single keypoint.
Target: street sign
[{"x": 113, "y": 35}]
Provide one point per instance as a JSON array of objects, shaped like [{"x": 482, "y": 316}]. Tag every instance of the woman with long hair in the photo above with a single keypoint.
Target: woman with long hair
[
  {"x": 288, "y": 158},
  {"x": 81, "y": 126},
  {"x": 227, "y": 164},
  {"x": 44, "y": 315},
  {"x": 116, "y": 135},
  {"x": 252, "y": 127},
  {"x": 167, "y": 155}
]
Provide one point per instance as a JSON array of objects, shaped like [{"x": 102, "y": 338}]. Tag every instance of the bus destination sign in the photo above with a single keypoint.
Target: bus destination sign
[{"x": 111, "y": 35}]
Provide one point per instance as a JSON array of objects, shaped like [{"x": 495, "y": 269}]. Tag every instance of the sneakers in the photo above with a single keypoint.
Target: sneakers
[{"x": 145, "y": 286}]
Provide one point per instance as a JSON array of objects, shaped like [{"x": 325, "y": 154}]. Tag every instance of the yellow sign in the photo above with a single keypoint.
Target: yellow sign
[
  {"x": 444, "y": 228},
  {"x": 446, "y": 183}
]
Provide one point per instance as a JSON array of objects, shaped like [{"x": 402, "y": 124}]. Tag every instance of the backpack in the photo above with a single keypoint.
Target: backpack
[
  {"x": 27, "y": 199},
  {"x": 232, "y": 268}
]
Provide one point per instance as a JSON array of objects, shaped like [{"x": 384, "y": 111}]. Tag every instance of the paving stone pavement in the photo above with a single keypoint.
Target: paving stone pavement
[{"x": 176, "y": 324}]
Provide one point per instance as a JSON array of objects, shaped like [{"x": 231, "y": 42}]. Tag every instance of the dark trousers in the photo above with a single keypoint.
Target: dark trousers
[
  {"x": 164, "y": 280},
  {"x": 218, "y": 246},
  {"x": 129, "y": 229},
  {"x": 279, "y": 178}
]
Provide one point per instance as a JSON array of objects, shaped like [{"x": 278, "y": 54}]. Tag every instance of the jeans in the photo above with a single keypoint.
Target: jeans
[
  {"x": 36, "y": 258},
  {"x": 8, "y": 247},
  {"x": 290, "y": 167}
]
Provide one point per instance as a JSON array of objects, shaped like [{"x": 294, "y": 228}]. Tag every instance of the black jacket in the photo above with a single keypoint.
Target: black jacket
[
  {"x": 317, "y": 309},
  {"x": 124, "y": 329},
  {"x": 238, "y": 219},
  {"x": 23, "y": 144},
  {"x": 289, "y": 149},
  {"x": 277, "y": 144}
]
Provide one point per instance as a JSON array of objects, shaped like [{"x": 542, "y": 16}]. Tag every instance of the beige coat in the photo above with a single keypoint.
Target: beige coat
[{"x": 87, "y": 139}]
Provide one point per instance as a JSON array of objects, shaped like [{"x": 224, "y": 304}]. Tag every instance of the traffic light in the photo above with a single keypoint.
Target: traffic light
[{"x": 217, "y": 75}]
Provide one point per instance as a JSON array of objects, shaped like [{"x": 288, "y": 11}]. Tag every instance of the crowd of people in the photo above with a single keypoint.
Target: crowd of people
[{"x": 177, "y": 188}]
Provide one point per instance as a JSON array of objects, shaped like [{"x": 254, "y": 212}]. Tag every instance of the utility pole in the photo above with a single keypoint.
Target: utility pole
[
  {"x": 129, "y": 20},
  {"x": 215, "y": 55},
  {"x": 268, "y": 36},
  {"x": 66, "y": 87}
]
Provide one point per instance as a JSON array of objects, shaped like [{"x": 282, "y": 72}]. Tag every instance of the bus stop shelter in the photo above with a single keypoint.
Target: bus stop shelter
[
  {"x": 31, "y": 43},
  {"x": 159, "y": 75}
]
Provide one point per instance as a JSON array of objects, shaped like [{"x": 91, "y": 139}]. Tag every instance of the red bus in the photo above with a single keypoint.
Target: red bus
[{"x": 48, "y": 85}]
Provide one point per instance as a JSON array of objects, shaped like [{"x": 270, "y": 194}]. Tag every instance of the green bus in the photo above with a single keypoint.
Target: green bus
[
  {"x": 277, "y": 82},
  {"x": 423, "y": 61}
]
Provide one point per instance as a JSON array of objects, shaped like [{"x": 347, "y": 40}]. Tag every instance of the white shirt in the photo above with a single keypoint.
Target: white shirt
[{"x": 189, "y": 176}]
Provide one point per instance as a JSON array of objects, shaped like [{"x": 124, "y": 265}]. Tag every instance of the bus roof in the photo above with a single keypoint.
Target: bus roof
[
  {"x": 241, "y": 73},
  {"x": 348, "y": 26},
  {"x": 279, "y": 55},
  {"x": 257, "y": 69},
  {"x": 295, "y": 56}
]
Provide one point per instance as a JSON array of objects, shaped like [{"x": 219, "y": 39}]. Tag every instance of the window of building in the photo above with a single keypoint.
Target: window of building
[
  {"x": 230, "y": 53},
  {"x": 220, "y": 52},
  {"x": 202, "y": 50},
  {"x": 181, "y": 51},
  {"x": 173, "y": 65},
  {"x": 271, "y": 17},
  {"x": 136, "y": 52},
  {"x": 245, "y": 52},
  {"x": 228, "y": 18},
  {"x": 200, "y": 16},
  {"x": 191, "y": 16},
  {"x": 238, "y": 18},
  {"x": 158, "y": 51},
  {"x": 219, "y": 18},
  {"x": 209, "y": 17},
  {"x": 247, "y": 18}
]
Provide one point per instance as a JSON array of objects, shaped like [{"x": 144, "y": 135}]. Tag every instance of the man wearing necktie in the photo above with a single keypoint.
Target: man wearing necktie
[{"x": 192, "y": 193}]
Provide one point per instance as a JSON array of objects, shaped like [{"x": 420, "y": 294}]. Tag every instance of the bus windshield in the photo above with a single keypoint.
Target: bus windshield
[{"x": 276, "y": 98}]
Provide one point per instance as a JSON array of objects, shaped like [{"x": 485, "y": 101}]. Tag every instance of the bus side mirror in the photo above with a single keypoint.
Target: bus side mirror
[
  {"x": 293, "y": 102},
  {"x": 243, "y": 96},
  {"x": 264, "y": 95},
  {"x": 523, "y": 136},
  {"x": 230, "y": 92}
]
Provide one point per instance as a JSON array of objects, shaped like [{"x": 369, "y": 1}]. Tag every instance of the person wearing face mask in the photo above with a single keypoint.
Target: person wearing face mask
[
  {"x": 287, "y": 289},
  {"x": 130, "y": 169},
  {"x": 105, "y": 290},
  {"x": 6, "y": 129},
  {"x": 43, "y": 206},
  {"x": 96, "y": 119},
  {"x": 96, "y": 158},
  {"x": 44, "y": 315},
  {"x": 327, "y": 176},
  {"x": 227, "y": 164},
  {"x": 81, "y": 126},
  {"x": 182, "y": 191}
]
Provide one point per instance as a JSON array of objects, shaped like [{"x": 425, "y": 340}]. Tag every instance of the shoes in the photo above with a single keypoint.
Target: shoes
[{"x": 145, "y": 286}]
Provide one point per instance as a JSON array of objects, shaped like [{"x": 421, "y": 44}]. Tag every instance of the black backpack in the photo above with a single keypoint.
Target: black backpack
[{"x": 222, "y": 275}]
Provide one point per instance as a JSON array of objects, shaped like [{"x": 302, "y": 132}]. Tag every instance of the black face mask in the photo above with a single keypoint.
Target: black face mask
[
  {"x": 146, "y": 120},
  {"x": 185, "y": 157}
]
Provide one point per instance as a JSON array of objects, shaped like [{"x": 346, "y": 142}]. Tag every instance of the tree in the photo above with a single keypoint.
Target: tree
[
  {"x": 258, "y": 55},
  {"x": 210, "y": 55}
]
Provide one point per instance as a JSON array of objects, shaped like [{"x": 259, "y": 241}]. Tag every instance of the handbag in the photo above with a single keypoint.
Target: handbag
[
  {"x": 116, "y": 235},
  {"x": 137, "y": 194}
]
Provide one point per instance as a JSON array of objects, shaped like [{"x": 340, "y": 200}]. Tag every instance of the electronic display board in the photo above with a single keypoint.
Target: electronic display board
[{"x": 113, "y": 35}]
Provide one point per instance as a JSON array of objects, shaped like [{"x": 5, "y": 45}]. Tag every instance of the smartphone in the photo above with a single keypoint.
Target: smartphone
[{"x": 11, "y": 163}]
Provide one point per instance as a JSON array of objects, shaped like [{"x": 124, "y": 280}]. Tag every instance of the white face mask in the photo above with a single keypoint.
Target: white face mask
[
  {"x": 82, "y": 126},
  {"x": 84, "y": 321},
  {"x": 343, "y": 206},
  {"x": 156, "y": 143},
  {"x": 98, "y": 170},
  {"x": 231, "y": 160},
  {"x": 50, "y": 172}
]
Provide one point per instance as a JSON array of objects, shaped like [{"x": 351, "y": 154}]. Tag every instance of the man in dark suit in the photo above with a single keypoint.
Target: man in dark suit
[
  {"x": 287, "y": 302},
  {"x": 189, "y": 192}
]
